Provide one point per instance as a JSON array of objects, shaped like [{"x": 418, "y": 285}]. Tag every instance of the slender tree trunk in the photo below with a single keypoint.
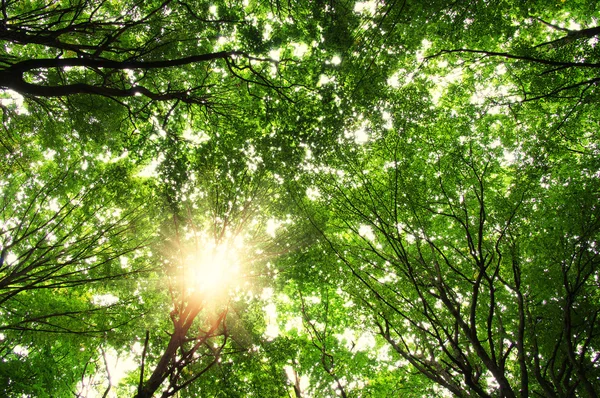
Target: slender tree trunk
[{"x": 161, "y": 371}]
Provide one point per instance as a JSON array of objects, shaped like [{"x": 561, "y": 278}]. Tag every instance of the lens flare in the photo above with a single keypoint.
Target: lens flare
[{"x": 213, "y": 269}]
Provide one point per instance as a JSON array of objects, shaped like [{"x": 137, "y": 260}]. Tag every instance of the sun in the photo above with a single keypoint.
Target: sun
[{"x": 213, "y": 269}]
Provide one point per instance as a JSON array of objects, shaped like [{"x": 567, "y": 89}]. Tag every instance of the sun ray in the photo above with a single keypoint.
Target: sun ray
[{"x": 213, "y": 269}]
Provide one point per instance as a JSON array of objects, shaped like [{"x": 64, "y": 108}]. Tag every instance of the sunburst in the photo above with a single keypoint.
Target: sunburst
[{"x": 213, "y": 269}]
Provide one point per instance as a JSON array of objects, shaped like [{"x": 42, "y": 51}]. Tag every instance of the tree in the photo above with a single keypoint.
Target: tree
[
  {"x": 116, "y": 51},
  {"x": 447, "y": 250},
  {"x": 67, "y": 252}
]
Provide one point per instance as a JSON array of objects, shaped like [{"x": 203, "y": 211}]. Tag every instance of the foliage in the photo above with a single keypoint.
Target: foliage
[{"x": 266, "y": 198}]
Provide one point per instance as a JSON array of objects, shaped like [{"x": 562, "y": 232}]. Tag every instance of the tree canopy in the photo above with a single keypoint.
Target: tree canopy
[{"x": 299, "y": 199}]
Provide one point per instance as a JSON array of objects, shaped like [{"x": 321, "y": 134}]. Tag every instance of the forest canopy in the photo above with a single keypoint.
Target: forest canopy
[{"x": 299, "y": 199}]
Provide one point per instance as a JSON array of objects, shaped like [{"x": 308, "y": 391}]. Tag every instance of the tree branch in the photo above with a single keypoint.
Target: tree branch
[
  {"x": 48, "y": 63},
  {"x": 517, "y": 57}
]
